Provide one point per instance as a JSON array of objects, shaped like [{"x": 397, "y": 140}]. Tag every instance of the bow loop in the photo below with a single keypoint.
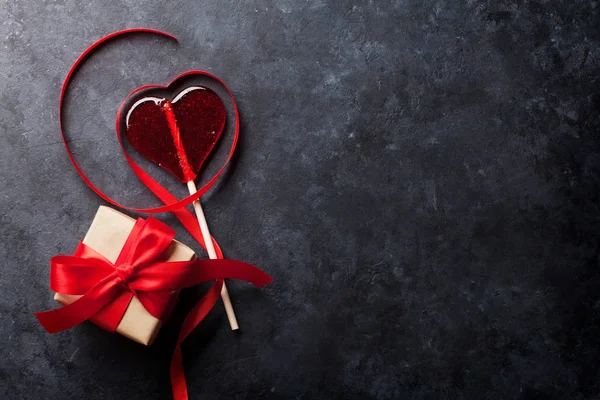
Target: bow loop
[
  {"x": 150, "y": 239},
  {"x": 76, "y": 274}
]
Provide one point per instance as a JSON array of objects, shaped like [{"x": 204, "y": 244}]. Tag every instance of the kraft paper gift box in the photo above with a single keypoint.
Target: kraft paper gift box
[{"x": 107, "y": 236}]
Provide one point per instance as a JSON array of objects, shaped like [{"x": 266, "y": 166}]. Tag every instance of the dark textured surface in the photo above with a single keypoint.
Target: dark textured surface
[{"x": 421, "y": 178}]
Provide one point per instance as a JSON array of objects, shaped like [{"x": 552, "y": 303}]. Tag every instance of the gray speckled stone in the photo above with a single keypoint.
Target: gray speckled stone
[{"x": 421, "y": 178}]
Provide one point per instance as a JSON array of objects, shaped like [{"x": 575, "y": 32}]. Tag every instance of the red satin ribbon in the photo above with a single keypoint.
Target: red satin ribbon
[{"x": 171, "y": 203}]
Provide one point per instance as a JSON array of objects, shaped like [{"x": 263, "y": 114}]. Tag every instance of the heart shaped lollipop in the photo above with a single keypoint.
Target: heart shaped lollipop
[{"x": 177, "y": 135}]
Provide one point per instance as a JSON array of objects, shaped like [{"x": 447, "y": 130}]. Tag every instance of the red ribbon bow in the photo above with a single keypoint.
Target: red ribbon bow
[{"x": 139, "y": 271}]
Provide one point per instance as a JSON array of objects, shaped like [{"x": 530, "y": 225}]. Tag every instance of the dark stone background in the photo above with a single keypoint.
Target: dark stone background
[{"x": 421, "y": 178}]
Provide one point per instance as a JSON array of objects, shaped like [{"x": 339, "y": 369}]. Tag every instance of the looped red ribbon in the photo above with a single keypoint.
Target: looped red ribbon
[
  {"x": 138, "y": 272},
  {"x": 171, "y": 203}
]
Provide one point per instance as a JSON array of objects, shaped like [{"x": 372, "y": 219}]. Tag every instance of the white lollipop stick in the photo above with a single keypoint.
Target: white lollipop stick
[{"x": 210, "y": 248}]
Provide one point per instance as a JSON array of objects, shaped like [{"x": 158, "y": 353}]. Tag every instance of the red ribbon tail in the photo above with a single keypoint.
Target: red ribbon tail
[
  {"x": 194, "y": 317},
  {"x": 177, "y": 275},
  {"x": 82, "y": 309}
]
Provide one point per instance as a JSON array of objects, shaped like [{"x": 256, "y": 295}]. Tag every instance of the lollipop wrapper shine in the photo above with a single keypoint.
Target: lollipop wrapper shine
[{"x": 107, "y": 235}]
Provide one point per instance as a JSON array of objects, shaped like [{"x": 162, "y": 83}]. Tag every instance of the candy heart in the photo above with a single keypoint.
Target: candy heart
[{"x": 177, "y": 135}]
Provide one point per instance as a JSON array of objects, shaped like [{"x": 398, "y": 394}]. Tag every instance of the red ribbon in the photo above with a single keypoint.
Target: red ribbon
[{"x": 171, "y": 203}]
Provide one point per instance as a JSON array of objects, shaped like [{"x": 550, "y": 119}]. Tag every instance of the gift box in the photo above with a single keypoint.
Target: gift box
[{"x": 107, "y": 235}]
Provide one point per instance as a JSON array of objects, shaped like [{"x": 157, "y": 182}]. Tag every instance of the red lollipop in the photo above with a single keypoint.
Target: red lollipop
[{"x": 178, "y": 135}]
